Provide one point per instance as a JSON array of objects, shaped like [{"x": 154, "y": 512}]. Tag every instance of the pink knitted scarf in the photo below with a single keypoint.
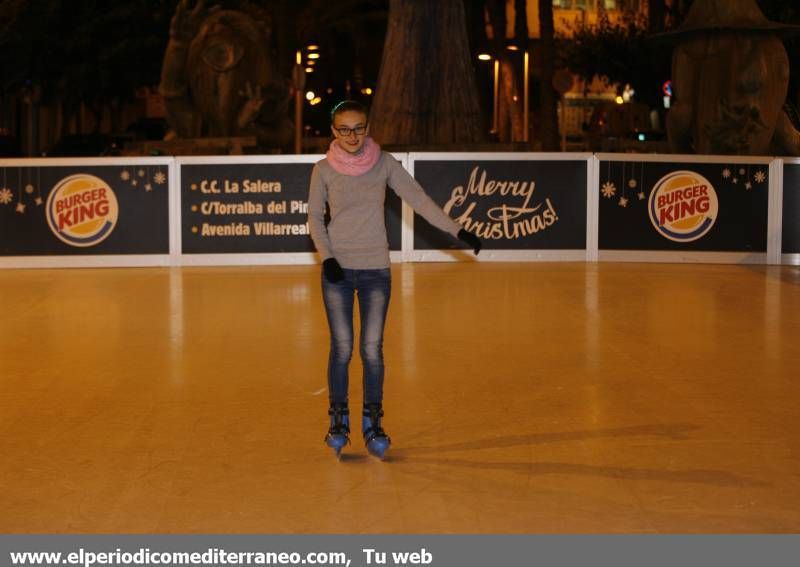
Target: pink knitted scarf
[{"x": 354, "y": 164}]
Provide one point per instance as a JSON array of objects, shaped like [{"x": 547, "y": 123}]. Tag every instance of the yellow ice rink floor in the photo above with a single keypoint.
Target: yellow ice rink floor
[{"x": 521, "y": 398}]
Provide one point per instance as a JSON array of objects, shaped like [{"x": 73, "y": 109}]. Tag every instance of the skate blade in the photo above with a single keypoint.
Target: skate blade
[
  {"x": 378, "y": 449},
  {"x": 337, "y": 444}
]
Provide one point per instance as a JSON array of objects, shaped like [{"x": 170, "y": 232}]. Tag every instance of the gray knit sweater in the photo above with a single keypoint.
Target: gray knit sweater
[{"x": 356, "y": 234}]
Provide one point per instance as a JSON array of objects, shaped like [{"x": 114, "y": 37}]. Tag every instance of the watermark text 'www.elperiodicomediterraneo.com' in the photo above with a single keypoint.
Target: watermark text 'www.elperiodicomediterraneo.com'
[{"x": 214, "y": 556}]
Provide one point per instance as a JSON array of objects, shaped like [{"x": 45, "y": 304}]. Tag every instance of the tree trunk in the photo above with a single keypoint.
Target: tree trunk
[
  {"x": 476, "y": 23},
  {"x": 656, "y": 15},
  {"x": 548, "y": 123},
  {"x": 496, "y": 10},
  {"x": 522, "y": 40},
  {"x": 510, "y": 119},
  {"x": 426, "y": 91},
  {"x": 521, "y": 22}
]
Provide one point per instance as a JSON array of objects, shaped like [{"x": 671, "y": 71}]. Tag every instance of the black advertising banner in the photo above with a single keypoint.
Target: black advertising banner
[
  {"x": 509, "y": 204},
  {"x": 254, "y": 208},
  {"x": 54, "y": 210},
  {"x": 701, "y": 207},
  {"x": 393, "y": 212},
  {"x": 791, "y": 209}
]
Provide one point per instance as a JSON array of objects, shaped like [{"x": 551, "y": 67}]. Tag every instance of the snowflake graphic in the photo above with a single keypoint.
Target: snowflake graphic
[
  {"x": 160, "y": 178},
  {"x": 633, "y": 183},
  {"x": 608, "y": 190},
  {"x": 623, "y": 202},
  {"x": 6, "y": 196},
  {"x": 125, "y": 175},
  {"x": 726, "y": 173},
  {"x": 760, "y": 176}
]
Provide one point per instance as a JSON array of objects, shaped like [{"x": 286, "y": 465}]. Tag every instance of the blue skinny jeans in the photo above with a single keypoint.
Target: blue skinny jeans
[{"x": 373, "y": 288}]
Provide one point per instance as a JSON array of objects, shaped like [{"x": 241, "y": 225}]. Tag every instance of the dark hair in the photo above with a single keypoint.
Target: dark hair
[{"x": 348, "y": 105}]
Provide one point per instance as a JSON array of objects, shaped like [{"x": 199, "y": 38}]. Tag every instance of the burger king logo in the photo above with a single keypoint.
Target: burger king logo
[
  {"x": 683, "y": 206},
  {"x": 82, "y": 210}
]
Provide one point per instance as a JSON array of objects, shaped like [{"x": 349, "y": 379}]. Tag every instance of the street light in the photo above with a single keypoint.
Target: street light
[
  {"x": 495, "y": 103},
  {"x": 496, "y": 109},
  {"x": 299, "y": 81},
  {"x": 525, "y": 98}
]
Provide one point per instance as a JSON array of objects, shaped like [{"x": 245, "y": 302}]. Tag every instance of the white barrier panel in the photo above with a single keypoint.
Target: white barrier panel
[
  {"x": 97, "y": 212},
  {"x": 676, "y": 208}
]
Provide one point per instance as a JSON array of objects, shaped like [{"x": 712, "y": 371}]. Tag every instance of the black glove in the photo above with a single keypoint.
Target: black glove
[
  {"x": 332, "y": 270},
  {"x": 473, "y": 241}
]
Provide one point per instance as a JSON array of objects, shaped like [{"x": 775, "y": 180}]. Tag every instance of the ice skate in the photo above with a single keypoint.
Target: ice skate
[
  {"x": 375, "y": 437},
  {"x": 339, "y": 432}
]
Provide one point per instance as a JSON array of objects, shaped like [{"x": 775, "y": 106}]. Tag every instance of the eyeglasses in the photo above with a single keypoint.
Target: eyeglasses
[{"x": 345, "y": 131}]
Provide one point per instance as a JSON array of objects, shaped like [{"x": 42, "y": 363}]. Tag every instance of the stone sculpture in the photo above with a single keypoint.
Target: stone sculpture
[
  {"x": 730, "y": 72},
  {"x": 217, "y": 79}
]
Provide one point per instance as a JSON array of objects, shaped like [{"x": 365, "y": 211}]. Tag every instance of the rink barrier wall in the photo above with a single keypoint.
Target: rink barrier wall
[{"x": 195, "y": 211}]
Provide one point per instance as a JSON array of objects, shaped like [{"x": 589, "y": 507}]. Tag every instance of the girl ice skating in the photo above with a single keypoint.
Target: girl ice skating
[{"x": 354, "y": 249}]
